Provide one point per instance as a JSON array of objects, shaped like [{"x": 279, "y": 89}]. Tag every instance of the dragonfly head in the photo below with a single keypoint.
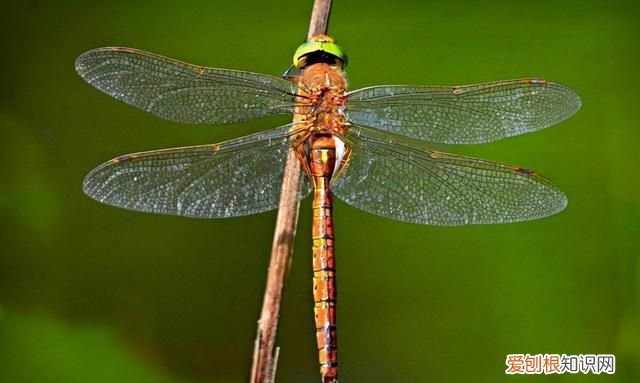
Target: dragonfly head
[{"x": 319, "y": 49}]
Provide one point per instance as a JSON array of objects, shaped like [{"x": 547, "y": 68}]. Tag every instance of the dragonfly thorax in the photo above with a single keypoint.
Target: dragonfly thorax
[
  {"x": 324, "y": 103},
  {"x": 320, "y": 149}
]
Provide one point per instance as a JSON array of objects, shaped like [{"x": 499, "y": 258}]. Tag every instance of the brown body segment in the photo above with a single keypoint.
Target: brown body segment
[
  {"x": 324, "y": 96},
  {"x": 322, "y": 162}
]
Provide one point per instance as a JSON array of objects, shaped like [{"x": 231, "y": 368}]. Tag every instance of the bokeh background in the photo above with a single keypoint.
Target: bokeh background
[{"x": 91, "y": 293}]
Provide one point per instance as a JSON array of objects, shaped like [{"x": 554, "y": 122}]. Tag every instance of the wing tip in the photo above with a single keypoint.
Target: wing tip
[{"x": 81, "y": 63}]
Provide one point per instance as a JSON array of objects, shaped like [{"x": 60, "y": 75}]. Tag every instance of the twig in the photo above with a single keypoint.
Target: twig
[
  {"x": 265, "y": 354},
  {"x": 319, "y": 18}
]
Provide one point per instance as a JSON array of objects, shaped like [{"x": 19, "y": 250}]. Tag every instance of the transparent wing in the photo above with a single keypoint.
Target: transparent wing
[
  {"x": 465, "y": 114},
  {"x": 183, "y": 92},
  {"x": 234, "y": 178},
  {"x": 409, "y": 183}
]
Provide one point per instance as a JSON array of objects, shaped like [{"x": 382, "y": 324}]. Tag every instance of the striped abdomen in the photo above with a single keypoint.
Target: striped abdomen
[{"x": 322, "y": 159}]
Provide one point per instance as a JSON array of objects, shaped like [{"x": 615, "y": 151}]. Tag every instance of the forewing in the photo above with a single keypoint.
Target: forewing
[
  {"x": 234, "y": 178},
  {"x": 401, "y": 181},
  {"x": 465, "y": 114},
  {"x": 183, "y": 92}
]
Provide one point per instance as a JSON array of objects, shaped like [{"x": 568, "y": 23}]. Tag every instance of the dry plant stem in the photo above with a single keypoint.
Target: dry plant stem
[
  {"x": 319, "y": 18},
  {"x": 265, "y": 355}
]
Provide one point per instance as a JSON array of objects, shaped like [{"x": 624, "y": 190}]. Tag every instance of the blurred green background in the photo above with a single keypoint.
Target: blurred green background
[{"x": 91, "y": 293}]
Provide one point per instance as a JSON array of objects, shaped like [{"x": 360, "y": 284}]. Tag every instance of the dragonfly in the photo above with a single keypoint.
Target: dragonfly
[{"x": 368, "y": 147}]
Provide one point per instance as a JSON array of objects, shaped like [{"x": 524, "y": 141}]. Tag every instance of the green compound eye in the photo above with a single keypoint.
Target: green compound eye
[{"x": 320, "y": 44}]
